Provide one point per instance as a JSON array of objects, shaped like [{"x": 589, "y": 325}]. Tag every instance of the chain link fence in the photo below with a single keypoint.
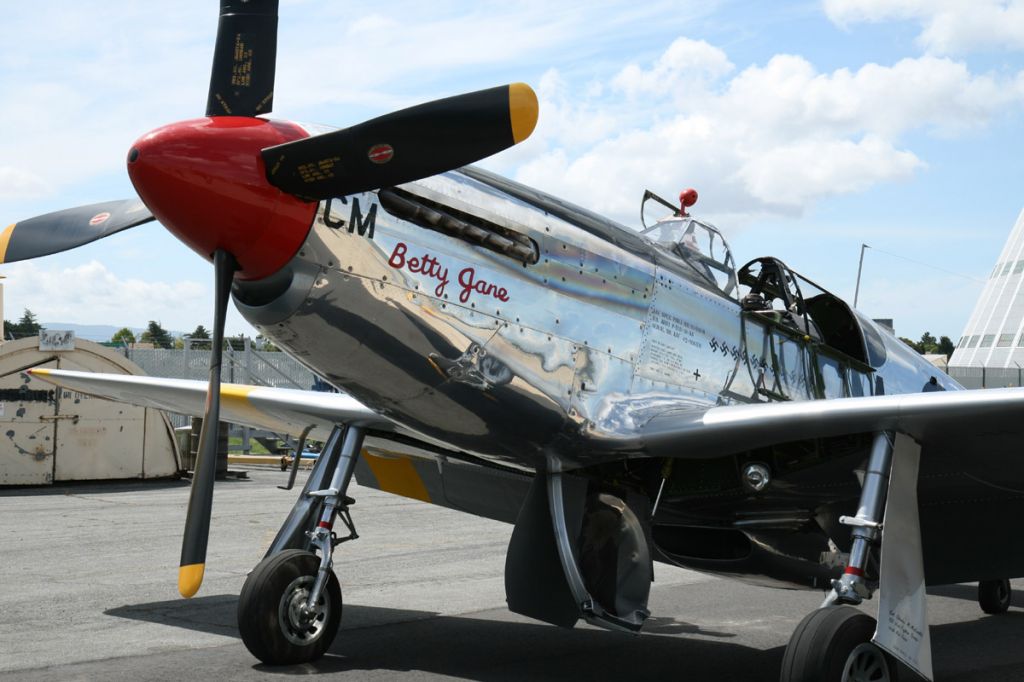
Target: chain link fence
[
  {"x": 988, "y": 377},
  {"x": 245, "y": 366}
]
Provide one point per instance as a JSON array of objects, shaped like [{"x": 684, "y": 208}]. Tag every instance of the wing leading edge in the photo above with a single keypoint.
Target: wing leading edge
[
  {"x": 281, "y": 410},
  {"x": 990, "y": 417},
  {"x": 993, "y": 415}
]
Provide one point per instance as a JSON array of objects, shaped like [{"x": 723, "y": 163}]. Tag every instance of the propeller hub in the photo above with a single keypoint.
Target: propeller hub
[{"x": 204, "y": 180}]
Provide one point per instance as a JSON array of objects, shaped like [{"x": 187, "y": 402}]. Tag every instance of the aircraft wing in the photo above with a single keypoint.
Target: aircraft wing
[
  {"x": 282, "y": 410},
  {"x": 946, "y": 420},
  {"x": 984, "y": 418}
]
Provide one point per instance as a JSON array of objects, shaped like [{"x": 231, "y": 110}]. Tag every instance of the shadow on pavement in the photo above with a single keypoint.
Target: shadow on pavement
[
  {"x": 957, "y": 648},
  {"x": 213, "y": 614},
  {"x": 495, "y": 646},
  {"x": 968, "y": 592},
  {"x": 95, "y": 487},
  {"x": 485, "y": 649}
]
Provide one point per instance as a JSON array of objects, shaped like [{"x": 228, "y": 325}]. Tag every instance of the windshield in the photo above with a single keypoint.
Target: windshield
[{"x": 699, "y": 244}]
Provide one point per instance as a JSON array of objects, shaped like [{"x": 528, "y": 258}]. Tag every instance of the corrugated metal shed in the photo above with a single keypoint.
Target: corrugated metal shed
[{"x": 49, "y": 434}]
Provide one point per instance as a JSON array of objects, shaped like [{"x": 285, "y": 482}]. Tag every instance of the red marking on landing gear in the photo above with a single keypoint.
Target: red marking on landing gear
[{"x": 853, "y": 570}]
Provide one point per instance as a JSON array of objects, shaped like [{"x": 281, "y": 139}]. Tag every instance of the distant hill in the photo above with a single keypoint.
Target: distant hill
[{"x": 95, "y": 332}]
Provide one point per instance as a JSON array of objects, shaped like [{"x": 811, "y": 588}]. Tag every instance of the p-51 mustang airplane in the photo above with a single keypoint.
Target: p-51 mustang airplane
[{"x": 621, "y": 397}]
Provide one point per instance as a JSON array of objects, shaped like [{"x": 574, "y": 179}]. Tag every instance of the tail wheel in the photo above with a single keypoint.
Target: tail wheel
[
  {"x": 275, "y": 626},
  {"x": 994, "y": 596},
  {"x": 833, "y": 644}
]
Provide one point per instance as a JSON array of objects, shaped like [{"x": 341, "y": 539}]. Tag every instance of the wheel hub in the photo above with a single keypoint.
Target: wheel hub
[
  {"x": 866, "y": 663},
  {"x": 1002, "y": 593},
  {"x": 299, "y": 624}
]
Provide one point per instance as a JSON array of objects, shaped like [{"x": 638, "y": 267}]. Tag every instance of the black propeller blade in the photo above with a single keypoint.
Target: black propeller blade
[
  {"x": 390, "y": 150},
  {"x": 67, "y": 229},
  {"x": 405, "y": 145},
  {"x": 244, "y": 59},
  {"x": 200, "y": 501}
]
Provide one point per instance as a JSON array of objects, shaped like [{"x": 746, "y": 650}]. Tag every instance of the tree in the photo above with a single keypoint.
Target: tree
[
  {"x": 265, "y": 344},
  {"x": 157, "y": 335},
  {"x": 236, "y": 342},
  {"x": 124, "y": 335},
  {"x": 28, "y": 325},
  {"x": 927, "y": 344},
  {"x": 200, "y": 337},
  {"x": 946, "y": 346},
  {"x": 912, "y": 344}
]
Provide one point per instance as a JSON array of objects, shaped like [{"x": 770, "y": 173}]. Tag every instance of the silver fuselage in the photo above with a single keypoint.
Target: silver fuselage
[{"x": 511, "y": 361}]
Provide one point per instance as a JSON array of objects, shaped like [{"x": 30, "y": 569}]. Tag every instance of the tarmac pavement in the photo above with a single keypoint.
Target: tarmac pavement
[{"x": 88, "y": 577}]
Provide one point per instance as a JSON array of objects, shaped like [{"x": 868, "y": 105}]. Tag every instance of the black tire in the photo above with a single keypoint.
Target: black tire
[
  {"x": 994, "y": 596},
  {"x": 268, "y": 626},
  {"x": 833, "y": 644}
]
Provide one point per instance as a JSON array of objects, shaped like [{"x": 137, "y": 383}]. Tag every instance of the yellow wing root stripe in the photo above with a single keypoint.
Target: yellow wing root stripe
[
  {"x": 237, "y": 400},
  {"x": 190, "y": 577},
  {"x": 236, "y": 392},
  {"x": 522, "y": 110},
  {"x": 5, "y": 239},
  {"x": 236, "y": 397},
  {"x": 397, "y": 476}
]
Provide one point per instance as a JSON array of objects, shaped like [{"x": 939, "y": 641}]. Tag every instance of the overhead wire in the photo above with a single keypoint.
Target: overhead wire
[{"x": 927, "y": 265}]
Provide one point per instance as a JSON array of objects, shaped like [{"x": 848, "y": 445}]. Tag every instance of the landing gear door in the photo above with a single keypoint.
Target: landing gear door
[
  {"x": 577, "y": 551},
  {"x": 28, "y": 411}
]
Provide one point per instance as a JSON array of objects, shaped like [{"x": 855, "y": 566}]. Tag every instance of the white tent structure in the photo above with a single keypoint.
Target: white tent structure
[{"x": 994, "y": 335}]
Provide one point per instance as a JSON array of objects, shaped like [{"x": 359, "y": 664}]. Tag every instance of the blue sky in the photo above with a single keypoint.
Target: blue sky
[{"x": 807, "y": 127}]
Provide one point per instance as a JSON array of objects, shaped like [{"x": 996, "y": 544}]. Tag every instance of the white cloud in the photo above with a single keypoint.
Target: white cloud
[
  {"x": 771, "y": 139},
  {"x": 682, "y": 69},
  {"x": 354, "y": 55},
  {"x": 85, "y": 90},
  {"x": 91, "y": 292},
  {"x": 798, "y": 173},
  {"x": 20, "y": 184},
  {"x": 788, "y": 94},
  {"x": 80, "y": 85},
  {"x": 947, "y": 26}
]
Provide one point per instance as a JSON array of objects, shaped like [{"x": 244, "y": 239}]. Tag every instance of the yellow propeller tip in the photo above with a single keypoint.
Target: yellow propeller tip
[
  {"x": 5, "y": 239},
  {"x": 189, "y": 579},
  {"x": 523, "y": 110},
  {"x": 39, "y": 372}
]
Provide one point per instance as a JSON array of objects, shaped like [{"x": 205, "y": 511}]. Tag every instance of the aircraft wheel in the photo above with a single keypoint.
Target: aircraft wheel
[
  {"x": 270, "y": 619},
  {"x": 833, "y": 644},
  {"x": 994, "y": 595}
]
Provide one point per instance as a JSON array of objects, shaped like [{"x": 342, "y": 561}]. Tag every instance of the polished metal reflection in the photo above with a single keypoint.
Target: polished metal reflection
[
  {"x": 505, "y": 359},
  {"x": 756, "y": 476}
]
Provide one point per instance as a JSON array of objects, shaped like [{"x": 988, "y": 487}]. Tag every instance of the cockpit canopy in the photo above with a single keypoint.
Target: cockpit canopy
[
  {"x": 700, "y": 245},
  {"x": 772, "y": 291}
]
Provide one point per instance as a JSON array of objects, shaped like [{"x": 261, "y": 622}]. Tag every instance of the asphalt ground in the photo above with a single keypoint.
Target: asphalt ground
[{"x": 88, "y": 577}]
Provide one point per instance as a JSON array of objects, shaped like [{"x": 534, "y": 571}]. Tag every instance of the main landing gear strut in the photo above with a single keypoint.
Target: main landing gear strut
[
  {"x": 290, "y": 607},
  {"x": 833, "y": 644}
]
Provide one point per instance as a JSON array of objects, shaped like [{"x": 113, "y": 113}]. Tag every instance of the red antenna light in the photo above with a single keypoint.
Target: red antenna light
[{"x": 687, "y": 198}]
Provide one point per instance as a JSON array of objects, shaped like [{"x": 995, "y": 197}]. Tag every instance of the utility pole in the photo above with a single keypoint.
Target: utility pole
[{"x": 860, "y": 266}]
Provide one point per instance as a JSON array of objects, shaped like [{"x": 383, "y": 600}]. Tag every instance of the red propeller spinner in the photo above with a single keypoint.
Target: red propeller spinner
[{"x": 204, "y": 180}]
